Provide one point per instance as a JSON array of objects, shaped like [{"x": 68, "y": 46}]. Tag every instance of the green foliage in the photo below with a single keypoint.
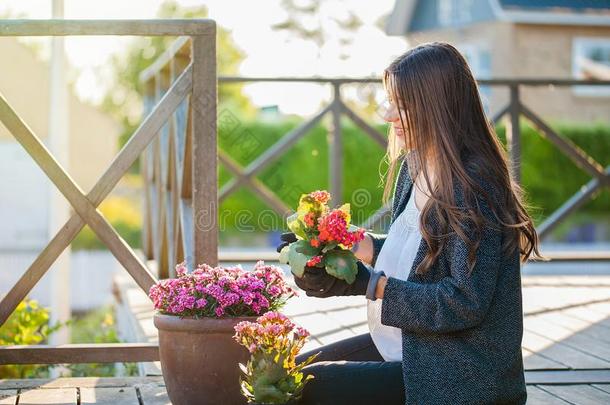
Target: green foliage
[
  {"x": 303, "y": 168},
  {"x": 124, "y": 215},
  {"x": 124, "y": 98},
  {"x": 341, "y": 264},
  {"x": 97, "y": 326},
  {"x": 28, "y": 325},
  {"x": 268, "y": 377},
  {"x": 550, "y": 178},
  {"x": 299, "y": 253}
]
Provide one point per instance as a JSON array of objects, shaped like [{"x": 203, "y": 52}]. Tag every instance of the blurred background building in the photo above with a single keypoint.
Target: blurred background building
[{"x": 521, "y": 38}]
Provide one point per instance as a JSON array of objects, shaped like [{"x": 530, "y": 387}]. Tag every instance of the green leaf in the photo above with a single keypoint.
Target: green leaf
[
  {"x": 296, "y": 226},
  {"x": 284, "y": 255},
  {"x": 341, "y": 264},
  {"x": 330, "y": 246},
  {"x": 299, "y": 254}
]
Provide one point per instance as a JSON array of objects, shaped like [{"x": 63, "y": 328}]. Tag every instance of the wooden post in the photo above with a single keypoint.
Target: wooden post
[
  {"x": 335, "y": 148},
  {"x": 59, "y": 210},
  {"x": 178, "y": 123},
  {"x": 513, "y": 132},
  {"x": 204, "y": 151},
  {"x": 147, "y": 233}
]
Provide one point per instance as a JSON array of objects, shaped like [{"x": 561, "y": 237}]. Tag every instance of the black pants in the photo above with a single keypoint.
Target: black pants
[{"x": 351, "y": 371}]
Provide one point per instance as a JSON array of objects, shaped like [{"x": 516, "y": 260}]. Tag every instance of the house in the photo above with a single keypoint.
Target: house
[
  {"x": 519, "y": 39},
  {"x": 24, "y": 189}
]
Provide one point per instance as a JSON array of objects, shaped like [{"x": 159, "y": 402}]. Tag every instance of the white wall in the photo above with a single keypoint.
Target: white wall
[
  {"x": 90, "y": 277},
  {"x": 24, "y": 191}
]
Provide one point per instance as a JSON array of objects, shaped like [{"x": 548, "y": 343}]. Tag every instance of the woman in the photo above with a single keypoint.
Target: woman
[{"x": 443, "y": 286}]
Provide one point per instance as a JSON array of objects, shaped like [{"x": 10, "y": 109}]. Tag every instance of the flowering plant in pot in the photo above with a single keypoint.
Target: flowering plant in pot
[
  {"x": 196, "y": 315},
  {"x": 324, "y": 238},
  {"x": 272, "y": 376}
]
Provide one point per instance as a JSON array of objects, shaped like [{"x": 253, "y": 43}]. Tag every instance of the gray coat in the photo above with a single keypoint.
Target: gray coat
[{"x": 461, "y": 334}]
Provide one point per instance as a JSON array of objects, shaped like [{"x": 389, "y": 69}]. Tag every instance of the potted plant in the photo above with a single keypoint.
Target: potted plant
[
  {"x": 272, "y": 376},
  {"x": 324, "y": 238},
  {"x": 196, "y": 315}
]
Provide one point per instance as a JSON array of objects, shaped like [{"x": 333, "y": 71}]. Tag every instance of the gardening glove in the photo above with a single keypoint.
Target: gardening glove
[
  {"x": 318, "y": 283},
  {"x": 287, "y": 238}
]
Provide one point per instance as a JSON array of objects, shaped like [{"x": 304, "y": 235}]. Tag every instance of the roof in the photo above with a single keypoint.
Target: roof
[
  {"x": 412, "y": 15},
  {"x": 571, "y": 6}
]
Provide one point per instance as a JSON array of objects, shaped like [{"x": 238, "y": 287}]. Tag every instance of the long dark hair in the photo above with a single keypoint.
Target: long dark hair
[{"x": 446, "y": 124}]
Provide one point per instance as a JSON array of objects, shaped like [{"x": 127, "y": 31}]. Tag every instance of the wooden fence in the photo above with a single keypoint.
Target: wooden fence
[
  {"x": 193, "y": 91},
  {"x": 163, "y": 225}
]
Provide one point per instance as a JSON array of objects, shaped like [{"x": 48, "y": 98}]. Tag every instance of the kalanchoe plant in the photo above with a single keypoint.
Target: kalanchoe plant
[
  {"x": 325, "y": 237},
  {"x": 218, "y": 291},
  {"x": 272, "y": 376}
]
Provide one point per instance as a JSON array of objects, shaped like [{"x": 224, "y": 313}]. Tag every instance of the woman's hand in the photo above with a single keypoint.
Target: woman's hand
[
  {"x": 287, "y": 238},
  {"x": 316, "y": 282},
  {"x": 380, "y": 287},
  {"x": 363, "y": 250}
]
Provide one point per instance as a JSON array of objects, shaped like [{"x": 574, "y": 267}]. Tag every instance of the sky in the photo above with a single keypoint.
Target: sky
[{"x": 268, "y": 52}]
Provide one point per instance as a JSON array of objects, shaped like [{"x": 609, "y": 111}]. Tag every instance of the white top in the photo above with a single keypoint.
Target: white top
[{"x": 395, "y": 260}]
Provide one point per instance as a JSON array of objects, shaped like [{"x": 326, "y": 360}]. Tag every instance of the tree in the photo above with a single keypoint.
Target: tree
[
  {"x": 308, "y": 21},
  {"x": 124, "y": 98}
]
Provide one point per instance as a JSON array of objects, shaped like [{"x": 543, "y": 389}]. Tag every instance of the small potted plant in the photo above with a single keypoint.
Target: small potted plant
[
  {"x": 324, "y": 238},
  {"x": 272, "y": 376},
  {"x": 196, "y": 315}
]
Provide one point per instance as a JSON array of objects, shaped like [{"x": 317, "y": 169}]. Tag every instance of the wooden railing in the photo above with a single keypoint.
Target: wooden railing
[
  {"x": 196, "y": 82},
  {"x": 157, "y": 77},
  {"x": 177, "y": 141},
  {"x": 516, "y": 109}
]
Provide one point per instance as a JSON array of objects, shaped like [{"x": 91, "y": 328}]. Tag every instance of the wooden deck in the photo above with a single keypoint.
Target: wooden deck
[
  {"x": 151, "y": 391},
  {"x": 566, "y": 345},
  {"x": 110, "y": 391}
]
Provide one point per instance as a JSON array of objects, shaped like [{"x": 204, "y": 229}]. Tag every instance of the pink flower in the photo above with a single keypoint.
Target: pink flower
[
  {"x": 272, "y": 331},
  {"x": 320, "y": 196},
  {"x": 217, "y": 291}
]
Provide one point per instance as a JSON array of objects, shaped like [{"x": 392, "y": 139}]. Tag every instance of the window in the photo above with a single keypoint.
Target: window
[
  {"x": 591, "y": 60},
  {"x": 454, "y": 12},
  {"x": 445, "y": 12}
]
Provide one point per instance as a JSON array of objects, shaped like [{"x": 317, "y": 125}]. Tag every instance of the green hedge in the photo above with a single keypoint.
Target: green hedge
[
  {"x": 303, "y": 168},
  {"x": 549, "y": 177},
  {"x": 29, "y": 324}
]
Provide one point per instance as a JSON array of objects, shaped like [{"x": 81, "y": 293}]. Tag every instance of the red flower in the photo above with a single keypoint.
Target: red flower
[
  {"x": 333, "y": 228},
  {"x": 309, "y": 219},
  {"x": 315, "y": 243},
  {"x": 314, "y": 261}
]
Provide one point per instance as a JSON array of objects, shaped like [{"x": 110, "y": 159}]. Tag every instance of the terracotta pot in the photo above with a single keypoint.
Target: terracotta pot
[{"x": 199, "y": 359}]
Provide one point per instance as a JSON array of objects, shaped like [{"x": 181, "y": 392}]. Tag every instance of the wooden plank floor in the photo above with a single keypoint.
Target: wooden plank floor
[
  {"x": 566, "y": 321},
  {"x": 91, "y": 390},
  {"x": 566, "y": 346},
  {"x": 151, "y": 391}
]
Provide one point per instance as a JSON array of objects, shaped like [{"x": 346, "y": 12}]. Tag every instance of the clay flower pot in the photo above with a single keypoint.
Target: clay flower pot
[{"x": 199, "y": 359}]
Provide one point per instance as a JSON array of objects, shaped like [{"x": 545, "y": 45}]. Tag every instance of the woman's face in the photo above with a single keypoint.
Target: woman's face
[{"x": 392, "y": 116}]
